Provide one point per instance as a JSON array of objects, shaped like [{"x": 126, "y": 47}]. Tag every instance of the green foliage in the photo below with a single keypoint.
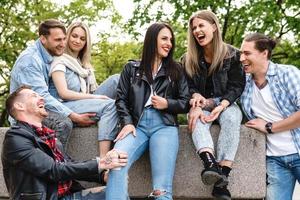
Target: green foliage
[
  {"x": 279, "y": 19},
  {"x": 285, "y": 52},
  {"x": 109, "y": 58}
]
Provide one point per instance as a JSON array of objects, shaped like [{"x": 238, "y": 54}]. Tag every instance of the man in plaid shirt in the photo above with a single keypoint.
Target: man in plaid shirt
[
  {"x": 34, "y": 167},
  {"x": 271, "y": 101}
]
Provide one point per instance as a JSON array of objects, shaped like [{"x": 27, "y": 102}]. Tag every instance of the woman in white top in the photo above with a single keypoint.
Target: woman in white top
[{"x": 74, "y": 84}]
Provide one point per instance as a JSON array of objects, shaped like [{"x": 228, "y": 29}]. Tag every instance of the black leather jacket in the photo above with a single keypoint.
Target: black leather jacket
[
  {"x": 229, "y": 82},
  {"x": 29, "y": 169},
  {"x": 134, "y": 90}
]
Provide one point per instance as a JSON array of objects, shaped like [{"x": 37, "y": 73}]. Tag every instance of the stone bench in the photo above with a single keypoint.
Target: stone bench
[{"x": 247, "y": 180}]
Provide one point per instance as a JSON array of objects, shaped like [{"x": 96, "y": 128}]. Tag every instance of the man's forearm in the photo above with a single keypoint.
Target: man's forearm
[{"x": 289, "y": 123}]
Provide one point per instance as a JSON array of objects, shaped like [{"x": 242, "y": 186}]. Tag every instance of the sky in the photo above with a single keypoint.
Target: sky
[{"x": 125, "y": 9}]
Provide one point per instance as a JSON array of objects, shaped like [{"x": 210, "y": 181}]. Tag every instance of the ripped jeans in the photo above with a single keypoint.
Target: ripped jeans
[{"x": 162, "y": 142}]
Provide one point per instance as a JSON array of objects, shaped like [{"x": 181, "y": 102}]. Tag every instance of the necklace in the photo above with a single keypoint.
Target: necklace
[{"x": 261, "y": 86}]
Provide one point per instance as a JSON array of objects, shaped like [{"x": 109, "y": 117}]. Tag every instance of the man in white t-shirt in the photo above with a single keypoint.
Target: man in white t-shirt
[{"x": 271, "y": 101}]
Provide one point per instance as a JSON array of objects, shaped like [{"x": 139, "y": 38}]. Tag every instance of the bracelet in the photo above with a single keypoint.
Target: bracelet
[{"x": 98, "y": 162}]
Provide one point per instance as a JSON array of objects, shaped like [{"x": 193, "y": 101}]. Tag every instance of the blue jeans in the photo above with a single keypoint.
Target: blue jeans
[
  {"x": 88, "y": 194},
  {"x": 163, "y": 145},
  {"x": 109, "y": 86},
  {"x": 104, "y": 108},
  {"x": 282, "y": 173},
  {"x": 229, "y": 137}
]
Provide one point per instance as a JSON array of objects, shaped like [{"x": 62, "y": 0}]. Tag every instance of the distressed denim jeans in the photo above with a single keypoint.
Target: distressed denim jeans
[
  {"x": 229, "y": 137},
  {"x": 282, "y": 173},
  {"x": 162, "y": 142}
]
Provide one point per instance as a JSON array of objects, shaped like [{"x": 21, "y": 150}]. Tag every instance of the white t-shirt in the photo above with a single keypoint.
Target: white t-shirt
[
  {"x": 152, "y": 93},
  {"x": 263, "y": 106},
  {"x": 59, "y": 67}
]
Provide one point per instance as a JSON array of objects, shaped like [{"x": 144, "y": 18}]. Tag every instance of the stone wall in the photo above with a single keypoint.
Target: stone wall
[{"x": 247, "y": 180}]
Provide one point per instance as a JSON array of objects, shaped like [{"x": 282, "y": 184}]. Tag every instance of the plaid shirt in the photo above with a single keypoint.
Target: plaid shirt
[
  {"x": 49, "y": 137},
  {"x": 284, "y": 82}
]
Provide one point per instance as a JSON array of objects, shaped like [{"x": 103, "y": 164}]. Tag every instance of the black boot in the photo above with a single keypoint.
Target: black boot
[
  {"x": 212, "y": 172},
  {"x": 220, "y": 191}
]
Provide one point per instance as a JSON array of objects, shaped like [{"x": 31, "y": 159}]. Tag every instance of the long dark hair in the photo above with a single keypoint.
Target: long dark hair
[{"x": 150, "y": 52}]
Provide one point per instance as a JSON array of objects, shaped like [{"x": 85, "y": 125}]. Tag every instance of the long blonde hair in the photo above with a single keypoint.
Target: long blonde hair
[
  {"x": 193, "y": 51},
  {"x": 84, "y": 54}
]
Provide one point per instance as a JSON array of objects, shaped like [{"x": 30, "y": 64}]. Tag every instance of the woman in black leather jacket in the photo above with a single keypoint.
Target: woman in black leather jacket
[
  {"x": 149, "y": 96},
  {"x": 216, "y": 80}
]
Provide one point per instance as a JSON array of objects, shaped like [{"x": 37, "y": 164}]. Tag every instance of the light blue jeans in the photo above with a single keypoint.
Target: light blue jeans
[
  {"x": 282, "y": 173},
  {"x": 163, "y": 144},
  {"x": 104, "y": 108},
  {"x": 229, "y": 137},
  {"x": 109, "y": 86}
]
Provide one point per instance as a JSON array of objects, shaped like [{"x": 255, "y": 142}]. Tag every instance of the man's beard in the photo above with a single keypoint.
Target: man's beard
[{"x": 53, "y": 52}]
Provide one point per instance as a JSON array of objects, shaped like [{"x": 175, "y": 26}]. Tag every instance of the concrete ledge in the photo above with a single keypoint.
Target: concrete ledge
[{"x": 247, "y": 180}]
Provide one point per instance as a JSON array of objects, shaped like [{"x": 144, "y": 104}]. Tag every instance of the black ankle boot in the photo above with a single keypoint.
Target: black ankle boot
[
  {"x": 225, "y": 173},
  {"x": 221, "y": 193},
  {"x": 212, "y": 172},
  {"x": 220, "y": 190}
]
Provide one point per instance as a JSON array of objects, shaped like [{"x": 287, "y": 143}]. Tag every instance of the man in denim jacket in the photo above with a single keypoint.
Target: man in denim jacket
[
  {"x": 31, "y": 68},
  {"x": 271, "y": 101}
]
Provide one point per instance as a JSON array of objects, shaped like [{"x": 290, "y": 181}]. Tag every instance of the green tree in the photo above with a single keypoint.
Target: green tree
[
  {"x": 19, "y": 20},
  {"x": 277, "y": 18},
  {"x": 110, "y": 57}
]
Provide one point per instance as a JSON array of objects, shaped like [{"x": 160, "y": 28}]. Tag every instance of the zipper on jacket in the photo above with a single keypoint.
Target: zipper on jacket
[
  {"x": 166, "y": 92},
  {"x": 140, "y": 117},
  {"x": 144, "y": 104}
]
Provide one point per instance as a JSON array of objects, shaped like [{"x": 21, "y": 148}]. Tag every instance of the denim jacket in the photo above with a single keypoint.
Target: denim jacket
[
  {"x": 284, "y": 82},
  {"x": 31, "y": 68},
  {"x": 228, "y": 82}
]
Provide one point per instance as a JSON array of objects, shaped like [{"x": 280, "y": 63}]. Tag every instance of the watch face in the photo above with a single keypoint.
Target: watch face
[{"x": 269, "y": 127}]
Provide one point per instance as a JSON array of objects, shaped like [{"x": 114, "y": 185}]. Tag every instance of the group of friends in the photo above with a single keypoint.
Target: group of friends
[{"x": 53, "y": 88}]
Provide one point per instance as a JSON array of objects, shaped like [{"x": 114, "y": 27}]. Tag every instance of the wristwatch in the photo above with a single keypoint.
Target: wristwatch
[{"x": 268, "y": 127}]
